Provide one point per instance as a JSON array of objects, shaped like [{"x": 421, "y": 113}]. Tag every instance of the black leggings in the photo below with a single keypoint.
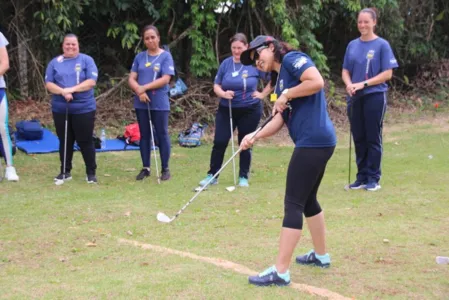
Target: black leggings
[
  {"x": 80, "y": 127},
  {"x": 305, "y": 171}
]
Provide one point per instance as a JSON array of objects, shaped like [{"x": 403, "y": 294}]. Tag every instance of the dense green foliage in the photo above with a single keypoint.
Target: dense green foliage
[{"x": 198, "y": 31}]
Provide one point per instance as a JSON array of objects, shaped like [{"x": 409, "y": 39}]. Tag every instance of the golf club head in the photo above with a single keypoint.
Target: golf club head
[
  {"x": 59, "y": 182},
  {"x": 198, "y": 188},
  {"x": 230, "y": 188},
  {"x": 347, "y": 187},
  {"x": 161, "y": 217}
]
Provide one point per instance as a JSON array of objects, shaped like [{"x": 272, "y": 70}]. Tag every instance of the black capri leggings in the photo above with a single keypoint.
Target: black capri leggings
[{"x": 305, "y": 171}]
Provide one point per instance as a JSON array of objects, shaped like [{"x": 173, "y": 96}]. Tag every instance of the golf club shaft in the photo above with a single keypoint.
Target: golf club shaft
[
  {"x": 232, "y": 139},
  {"x": 350, "y": 140},
  {"x": 152, "y": 142},
  {"x": 221, "y": 169},
  {"x": 64, "y": 164}
]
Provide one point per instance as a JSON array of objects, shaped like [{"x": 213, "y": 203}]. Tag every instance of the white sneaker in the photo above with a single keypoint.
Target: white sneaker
[{"x": 11, "y": 174}]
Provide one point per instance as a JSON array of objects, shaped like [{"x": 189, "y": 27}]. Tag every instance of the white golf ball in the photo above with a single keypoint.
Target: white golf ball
[{"x": 430, "y": 156}]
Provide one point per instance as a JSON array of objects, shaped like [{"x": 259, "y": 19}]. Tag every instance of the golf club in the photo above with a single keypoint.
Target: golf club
[
  {"x": 161, "y": 217},
  {"x": 153, "y": 145},
  {"x": 350, "y": 145},
  {"x": 231, "y": 188},
  {"x": 61, "y": 181}
]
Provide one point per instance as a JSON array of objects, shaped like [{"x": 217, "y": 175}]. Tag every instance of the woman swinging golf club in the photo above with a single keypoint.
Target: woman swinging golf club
[{"x": 301, "y": 105}]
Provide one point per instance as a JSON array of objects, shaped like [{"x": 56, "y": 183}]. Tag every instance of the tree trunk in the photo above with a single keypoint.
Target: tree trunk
[{"x": 22, "y": 52}]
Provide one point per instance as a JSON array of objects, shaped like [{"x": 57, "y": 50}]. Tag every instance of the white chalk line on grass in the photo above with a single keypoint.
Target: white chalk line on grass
[{"x": 229, "y": 265}]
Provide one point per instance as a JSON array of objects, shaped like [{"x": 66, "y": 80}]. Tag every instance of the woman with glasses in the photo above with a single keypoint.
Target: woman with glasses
[
  {"x": 301, "y": 105},
  {"x": 240, "y": 101}
]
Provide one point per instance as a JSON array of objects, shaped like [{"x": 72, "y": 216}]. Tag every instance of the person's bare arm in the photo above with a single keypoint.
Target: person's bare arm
[{"x": 4, "y": 61}]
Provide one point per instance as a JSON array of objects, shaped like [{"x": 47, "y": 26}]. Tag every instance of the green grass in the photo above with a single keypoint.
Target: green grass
[{"x": 45, "y": 230}]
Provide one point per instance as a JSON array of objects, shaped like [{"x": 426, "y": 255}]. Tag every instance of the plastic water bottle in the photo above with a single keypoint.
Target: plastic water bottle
[
  {"x": 103, "y": 138},
  {"x": 442, "y": 260}
]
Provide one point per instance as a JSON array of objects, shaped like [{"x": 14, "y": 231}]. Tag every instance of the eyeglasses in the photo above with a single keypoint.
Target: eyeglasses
[{"x": 257, "y": 52}]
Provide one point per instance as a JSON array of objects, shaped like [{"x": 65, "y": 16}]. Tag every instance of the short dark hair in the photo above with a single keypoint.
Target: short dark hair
[
  {"x": 240, "y": 37},
  {"x": 152, "y": 27}
]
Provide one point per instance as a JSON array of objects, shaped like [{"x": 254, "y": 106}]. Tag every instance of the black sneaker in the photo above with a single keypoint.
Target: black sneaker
[
  {"x": 310, "y": 259},
  {"x": 143, "y": 173},
  {"x": 91, "y": 179},
  {"x": 269, "y": 277},
  {"x": 61, "y": 176},
  {"x": 165, "y": 174}
]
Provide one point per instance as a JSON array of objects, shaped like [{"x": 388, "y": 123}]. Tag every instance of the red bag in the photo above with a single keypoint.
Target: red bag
[{"x": 131, "y": 135}]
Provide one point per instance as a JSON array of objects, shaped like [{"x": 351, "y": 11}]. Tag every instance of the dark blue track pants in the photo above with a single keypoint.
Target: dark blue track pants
[
  {"x": 366, "y": 115},
  {"x": 160, "y": 123},
  {"x": 245, "y": 119}
]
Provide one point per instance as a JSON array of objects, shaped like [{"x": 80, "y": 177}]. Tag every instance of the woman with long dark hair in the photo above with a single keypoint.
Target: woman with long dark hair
[{"x": 301, "y": 105}]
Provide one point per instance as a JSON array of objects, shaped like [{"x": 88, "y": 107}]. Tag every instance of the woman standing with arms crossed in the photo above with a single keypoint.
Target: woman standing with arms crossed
[
  {"x": 6, "y": 144},
  {"x": 71, "y": 78},
  {"x": 236, "y": 85},
  {"x": 301, "y": 105},
  {"x": 149, "y": 78},
  {"x": 369, "y": 62}
]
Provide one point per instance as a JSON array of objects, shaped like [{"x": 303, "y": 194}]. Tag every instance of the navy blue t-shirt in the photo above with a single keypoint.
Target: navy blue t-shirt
[
  {"x": 67, "y": 72},
  {"x": 308, "y": 122},
  {"x": 241, "y": 79},
  {"x": 150, "y": 68},
  {"x": 366, "y": 59}
]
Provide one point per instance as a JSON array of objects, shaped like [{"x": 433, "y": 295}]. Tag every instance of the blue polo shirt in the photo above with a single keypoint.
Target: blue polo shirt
[
  {"x": 67, "y": 72},
  {"x": 366, "y": 59},
  {"x": 150, "y": 68},
  {"x": 241, "y": 79},
  {"x": 308, "y": 122}
]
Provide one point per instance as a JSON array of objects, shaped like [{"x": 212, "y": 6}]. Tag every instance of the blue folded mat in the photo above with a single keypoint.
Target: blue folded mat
[{"x": 50, "y": 143}]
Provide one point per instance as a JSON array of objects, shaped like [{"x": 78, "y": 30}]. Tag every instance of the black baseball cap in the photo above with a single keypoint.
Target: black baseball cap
[{"x": 259, "y": 41}]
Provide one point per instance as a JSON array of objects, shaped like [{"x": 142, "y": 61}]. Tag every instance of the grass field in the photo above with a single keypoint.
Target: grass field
[{"x": 103, "y": 241}]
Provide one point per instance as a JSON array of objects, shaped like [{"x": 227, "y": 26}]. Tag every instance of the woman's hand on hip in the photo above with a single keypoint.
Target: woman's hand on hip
[{"x": 258, "y": 95}]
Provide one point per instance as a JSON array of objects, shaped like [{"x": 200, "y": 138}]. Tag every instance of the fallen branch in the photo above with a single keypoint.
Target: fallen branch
[{"x": 113, "y": 89}]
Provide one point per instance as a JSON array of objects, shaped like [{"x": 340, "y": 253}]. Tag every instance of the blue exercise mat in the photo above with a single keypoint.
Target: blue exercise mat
[
  {"x": 117, "y": 145},
  {"x": 50, "y": 143}
]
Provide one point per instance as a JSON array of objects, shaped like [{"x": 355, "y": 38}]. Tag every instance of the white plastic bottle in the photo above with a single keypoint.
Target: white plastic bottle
[
  {"x": 442, "y": 260},
  {"x": 103, "y": 138}
]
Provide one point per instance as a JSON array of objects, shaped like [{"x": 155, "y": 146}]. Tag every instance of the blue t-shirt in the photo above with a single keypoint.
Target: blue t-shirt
[
  {"x": 365, "y": 60},
  {"x": 308, "y": 122},
  {"x": 67, "y": 72},
  {"x": 150, "y": 68},
  {"x": 241, "y": 79}
]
